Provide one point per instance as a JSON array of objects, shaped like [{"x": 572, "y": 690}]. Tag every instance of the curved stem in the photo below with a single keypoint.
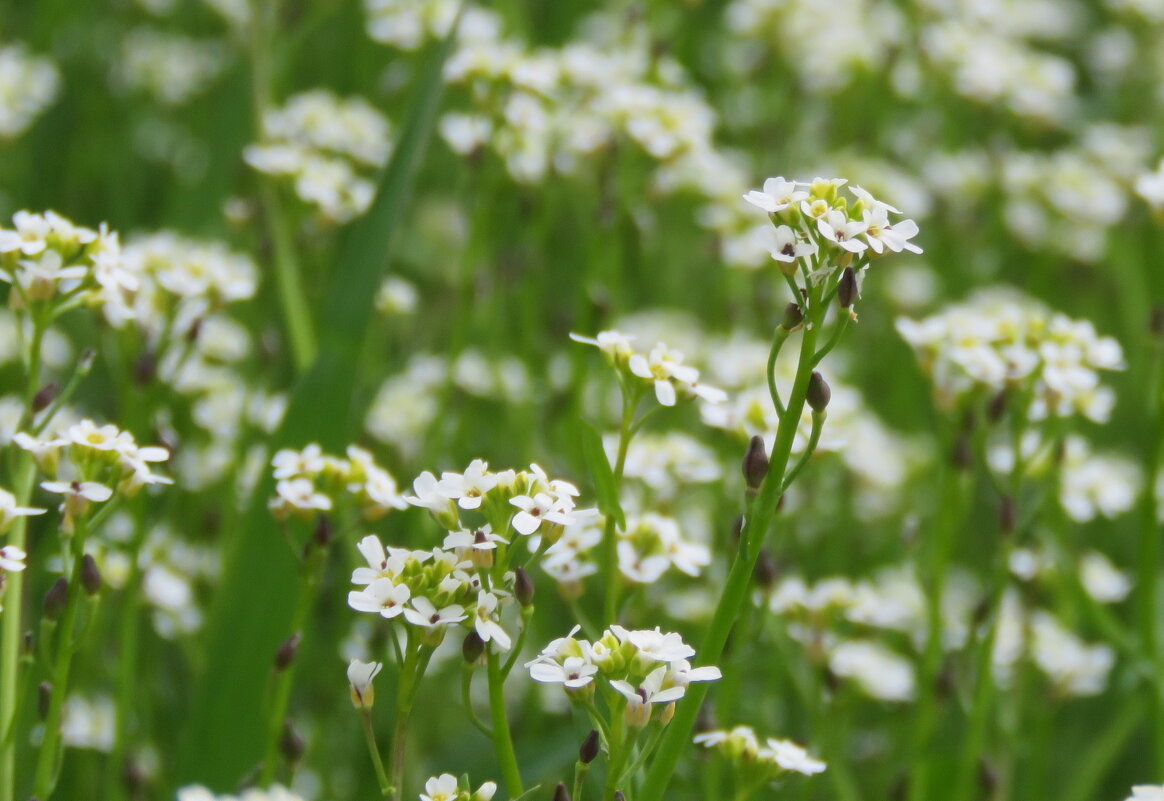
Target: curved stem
[
  {"x": 778, "y": 340},
  {"x": 818, "y": 419},
  {"x": 467, "y": 701},
  {"x": 502, "y": 740},
  {"x": 374, "y": 752}
]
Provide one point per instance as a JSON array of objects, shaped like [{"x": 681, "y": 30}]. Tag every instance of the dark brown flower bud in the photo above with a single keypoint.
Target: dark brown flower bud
[
  {"x": 588, "y": 752},
  {"x": 1007, "y": 514},
  {"x": 472, "y": 647},
  {"x": 194, "y": 331},
  {"x": 291, "y": 745},
  {"x": 134, "y": 777},
  {"x": 847, "y": 288},
  {"x": 766, "y": 570},
  {"x": 561, "y": 793},
  {"x": 997, "y": 407},
  {"x": 45, "y": 396},
  {"x": 90, "y": 575},
  {"x": 29, "y": 644},
  {"x": 56, "y": 599},
  {"x": 962, "y": 458},
  {"x": 523, "y": 587},
  {"x": 323, "y": 532},
  {"x": 618, "y": 796},
  {"x": 755, "y": 463},
  {"x": 793, "y": 317},
  {"x": 44, "y": 698},
  {"x": 1156, "y": 321},
  {"x": 287, "y": 652},
  {"x": 819, "y": 393},
  {"x": 145, "y": 369}
]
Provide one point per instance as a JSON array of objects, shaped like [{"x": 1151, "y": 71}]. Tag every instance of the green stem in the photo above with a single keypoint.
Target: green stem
[
  {"x": 49, "y": 759},
  {"x": 288, "y": 279},
  {"x": 778, "y": 340},
  {"x": 818, "y": 419},
  {"x": 467, "y": 700},
  {"x": 951, "y": 494},
  {"x": 580, "y": 770},
  {"x": 284, "y": 679},
  {"x": 1148, "y": 562},
  {"x": 610, "y": 535},
  {"x": 502, "y": 740},
  {"x": 756, "y": 526},
  {"x": 374, "y": 751}
]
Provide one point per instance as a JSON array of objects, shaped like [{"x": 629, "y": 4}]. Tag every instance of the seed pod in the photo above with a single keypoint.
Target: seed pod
[
  {"x": 523, "y": 587},
  {"x": 793, "y": 317},
  {"x": 819, "y": 393},
  {"x": 287, "y": 652},
  {"x": 588, "y": 752},
  {"x": 755, "y": 463},
  {"x": 44, "y": 396},
  {"x": 90, "y": 575},
  {"x": 561, "y": 793},
  {"x": 847, "y": 288},
  {"x": 56, "y": 599},
  {"x": 472, "y": 647}
]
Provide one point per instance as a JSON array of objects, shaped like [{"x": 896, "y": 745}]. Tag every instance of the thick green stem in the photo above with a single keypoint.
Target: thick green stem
[
  {"x": 49, "y": 759},
  {"x": 415, "y": 663},
  {"x": 756, "y": 526},
  {"x": 502, "y": 740}
]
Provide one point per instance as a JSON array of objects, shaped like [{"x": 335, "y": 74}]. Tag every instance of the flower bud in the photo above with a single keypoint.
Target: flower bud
[
  {"x": 323, "y": 533},
  {"x": 997, "y": 407},
  {"x": 667, "y": 713},
  {"x": 1007, "y": 514},
  {"x": 44, "y": 396},
  {"x": 287, "y": 652},
  {"x": 56, "y": 599},
  {"x": 847, "y": 290},
  {"x": 618, "y": 796},
  {"x": 360, "y": 675},
  {"x": 561, "y": 793},
  {"x": 766, "y": 570},
  {"x": 472, "y": 647},
  {"x": 291, "y": 745},
  {"x": 145, "y": 369},
  {"x": 523, "y": 587},
  {"x": 193, "y": 332},
  {"x": 793, "y": 317},
  {"x": 588, "y": 752},
  {"x": 90, "y": 575},
  {"x": 819, "y": 393},
  {"x": 755, "y": 463},
  {"x": 44, "y": 697}
]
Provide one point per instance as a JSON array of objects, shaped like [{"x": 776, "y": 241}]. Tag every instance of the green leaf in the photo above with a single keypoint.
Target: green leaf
[
  {"x": 600, "y": 469},
  {"x": 224, "y": 737}
]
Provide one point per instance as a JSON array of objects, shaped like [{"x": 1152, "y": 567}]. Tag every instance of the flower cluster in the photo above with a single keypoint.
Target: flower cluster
[
  {"x": 90, "y": 464},
  {"x": 28, "y": 84},
  {"x": 49, "y": 261},
  {"x": 328, "y": 146},
  {"x": 432, "y": 590},
  {"x": 446, "y": 788},
  {"x": 998, "y": 341},
  {"x": 772, "y": 760},
  {"x": 309, "y": 482},
  {"x": 814, "y": 218},
  {"x": 170, "y": 68},
  {"x": 662, "y": 368},
  {"x": 645, "y": 669}
]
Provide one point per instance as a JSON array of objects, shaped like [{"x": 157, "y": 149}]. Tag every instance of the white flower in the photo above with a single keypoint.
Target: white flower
[
  {"x": 572, "y": 672},
  {"x": 382, "y": 596},
  {"x": 791, "y": 756},
  {"x": 467, "y": 489},
  {"x": 1147, "y": 792},
  {"x": 777, "y": 195},
  {"x": 836, "y": 226},
  {"x": 360, "y": 675},
  {"x": 489, "y": 629},
  {"x": 786, "y": 245},
  {"x": 654, "y": 644},
  {"x": 9, "y": 511},
  {"x": 650, "y": 691},
  {"x": 441, "y": 788},
  {"x": 82, "y": 490},
  {"x": 614, "y": 344},
  {"x": 424, "y": 614},
  {"x": 12, "y": 559}
]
